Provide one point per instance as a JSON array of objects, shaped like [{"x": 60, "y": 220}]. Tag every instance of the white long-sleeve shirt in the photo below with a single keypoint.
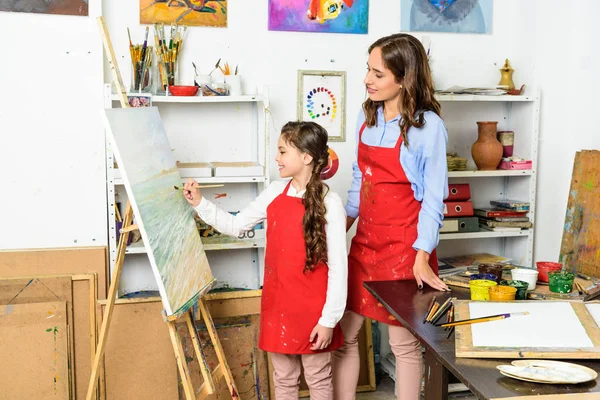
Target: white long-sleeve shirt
[{"x": 337, "y": 256}]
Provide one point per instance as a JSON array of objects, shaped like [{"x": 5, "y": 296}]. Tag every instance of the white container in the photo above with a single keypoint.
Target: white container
[
  {"x": 235, "y": 84},
  {"x": 527, "y": 275}
]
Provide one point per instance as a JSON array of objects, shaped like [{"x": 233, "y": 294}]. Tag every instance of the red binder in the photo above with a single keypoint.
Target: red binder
[
  {"x": 458, "y": 209},
  {"x": 459, "y": 192}
]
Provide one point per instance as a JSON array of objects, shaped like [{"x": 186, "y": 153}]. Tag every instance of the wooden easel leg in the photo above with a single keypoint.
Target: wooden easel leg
[
  {"x": 218, "y": 349},
  {"x": 186, "y": 380},
  {"x": 436, "y": 378},
  {"x": 112, "y": 294},
  {"x": 204, "y": 368}
]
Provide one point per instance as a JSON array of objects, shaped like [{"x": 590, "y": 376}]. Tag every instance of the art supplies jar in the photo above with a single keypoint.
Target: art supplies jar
[
  {"x": 544, "y": 267},
  {"x": 527, "y": 275},
  {"x": 506, "y": 139},
  {"x": 521, "y": 287},
  {"x": 201, "y": 81},
  {"x": 493, "y": 269},
  {"x": 480, "y": 289},
  {"x": 502, "y": 293},
  {"x": 142, "y": 71},
  {"x": 561, "y": 282},
  {"x": 235, "y": 84},
  {"x": 488, "y": 277},
  {"x": 215, "y": 89}
]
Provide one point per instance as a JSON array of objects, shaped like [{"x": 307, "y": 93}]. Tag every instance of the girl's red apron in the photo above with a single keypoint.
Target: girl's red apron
[
  {"x": 387, "y": 228},
  {"x": 292, "y": 301}
]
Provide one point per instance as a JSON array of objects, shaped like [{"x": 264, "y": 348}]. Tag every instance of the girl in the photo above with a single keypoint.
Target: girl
[
  {"x": 305, "y": 280},
  {"x": 400, "y": 182}
]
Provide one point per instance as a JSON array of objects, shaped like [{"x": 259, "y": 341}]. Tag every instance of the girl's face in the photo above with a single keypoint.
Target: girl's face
[
  {"x": 380, "y": 81},
  {"x": 290, "y": 161}
]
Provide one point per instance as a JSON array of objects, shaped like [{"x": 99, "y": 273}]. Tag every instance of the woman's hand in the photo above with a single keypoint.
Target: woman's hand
[
  {"x": 323, "y": 336},
  {"x": 424, "y": 273},
  {"x": 192, "y": 193}
]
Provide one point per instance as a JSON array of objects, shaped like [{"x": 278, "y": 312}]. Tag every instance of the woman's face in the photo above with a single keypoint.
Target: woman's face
[{"x": 380, "y": 81}]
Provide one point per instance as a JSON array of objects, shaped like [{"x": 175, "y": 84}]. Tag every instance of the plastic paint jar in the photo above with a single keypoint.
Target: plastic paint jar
[
  {"x": 521, "y": 287},
  {"x": 561, "y": 282},
  {"x": 547, "y": 266},
  {"x": 480, "y": 289},
  {"x": 502, "y": 293},
  {"x": 488, "y": 277},
  {"x": 528, "y": 275}
]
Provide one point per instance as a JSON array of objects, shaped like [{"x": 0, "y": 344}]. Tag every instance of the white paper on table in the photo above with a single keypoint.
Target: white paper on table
[
  {"x": 549, "y": 324},
  {"x": 594, "y": 310}
]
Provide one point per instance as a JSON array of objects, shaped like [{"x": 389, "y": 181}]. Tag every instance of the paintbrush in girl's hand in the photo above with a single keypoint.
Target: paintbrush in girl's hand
[
  {"x": 483, "y": 319},
  {"x": 197, "y": 187}
]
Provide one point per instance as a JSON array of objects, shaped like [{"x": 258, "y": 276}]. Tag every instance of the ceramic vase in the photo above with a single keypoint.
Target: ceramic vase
[{"x": 487, "y": 150}]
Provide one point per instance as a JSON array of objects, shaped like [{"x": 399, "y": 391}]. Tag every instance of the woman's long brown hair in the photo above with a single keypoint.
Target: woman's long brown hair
[
  {"x": 311, "y": 138},
  {"x": 405, "y": 56}
]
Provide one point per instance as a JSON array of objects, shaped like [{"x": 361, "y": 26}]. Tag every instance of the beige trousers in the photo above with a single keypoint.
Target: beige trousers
[
  {"x": 317, "y": 373},
  {"x": 346, "y": 362}
]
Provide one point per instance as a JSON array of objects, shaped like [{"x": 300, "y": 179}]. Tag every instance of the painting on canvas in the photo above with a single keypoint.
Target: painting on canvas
[
  {"x": 321, "y": 99},
  {"x": 333, "y": 16},
  {"x": 184, "y": 12},
  {"x": 457, "y": 16},
  {"x": 163, "y": 215},
  {"x": 63, "y": 7}
]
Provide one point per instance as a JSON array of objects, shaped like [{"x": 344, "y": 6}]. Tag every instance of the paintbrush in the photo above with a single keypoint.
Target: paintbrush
[
  {"x": 143, "y": 67},
  {"x": 429, "y": 308},
  {"x": 197, "y": 187},
  {"x": 130, "y": 44},
  {"x": 441, "y": 310},
  {"x": 484, "y": 319},
  {"x": 450, "y": 333},
  {"x": 584, "y": 276},
  {"x": 436, "y": 307}
]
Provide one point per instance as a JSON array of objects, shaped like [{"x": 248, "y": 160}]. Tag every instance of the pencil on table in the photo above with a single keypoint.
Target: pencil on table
[
  {"x": 441, "y": 310},
  {"x": 484, "y": 319},
  {"x": 450, "y": 333},
  {"x": 436, "y": 307},
  {"x": 450, "y": 314},
  {"x": 429, "y": 308}
]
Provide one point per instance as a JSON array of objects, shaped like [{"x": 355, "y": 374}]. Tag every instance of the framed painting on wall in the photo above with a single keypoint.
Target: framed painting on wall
[
  {"x": 455, "y": 16},
  {"x": 322, "y": 99},
  {"x": 332, "y": 16},
  {"x": 184, "y": 12}
]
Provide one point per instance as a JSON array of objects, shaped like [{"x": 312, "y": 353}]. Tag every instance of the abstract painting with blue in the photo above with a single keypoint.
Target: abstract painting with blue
[
  {"x": 333, "y": 16},
  {"x": 454, "y": 16}
]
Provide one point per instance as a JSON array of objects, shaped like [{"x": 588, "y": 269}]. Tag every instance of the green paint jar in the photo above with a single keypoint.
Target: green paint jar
[
  {"x": 561, "y": 282},
  {"x": 521, "y": 287}
]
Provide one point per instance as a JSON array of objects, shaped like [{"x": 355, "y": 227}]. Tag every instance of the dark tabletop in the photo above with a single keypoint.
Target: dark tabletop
[{"x": 409, "y": 305}]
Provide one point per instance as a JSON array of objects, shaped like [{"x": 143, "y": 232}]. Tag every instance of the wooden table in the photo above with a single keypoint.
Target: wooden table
[{"x": 409, "y": 306}]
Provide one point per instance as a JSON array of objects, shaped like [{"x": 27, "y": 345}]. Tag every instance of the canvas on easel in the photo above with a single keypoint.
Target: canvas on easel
[{"x": 163, "y": 215}]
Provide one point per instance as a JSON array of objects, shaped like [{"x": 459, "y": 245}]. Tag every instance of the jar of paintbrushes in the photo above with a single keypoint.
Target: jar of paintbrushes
[
  {"x": 168, "y": 46},
  {"x": 142, "y": 57}
]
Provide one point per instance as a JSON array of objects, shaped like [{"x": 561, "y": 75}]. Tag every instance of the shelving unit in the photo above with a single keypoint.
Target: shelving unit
[
  {"x": 515, "y": 113},
  {"x": 235, "y": 129}
]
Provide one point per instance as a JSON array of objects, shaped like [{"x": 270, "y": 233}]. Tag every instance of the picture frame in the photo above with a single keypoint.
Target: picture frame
[{"x": 322, "y": 99}]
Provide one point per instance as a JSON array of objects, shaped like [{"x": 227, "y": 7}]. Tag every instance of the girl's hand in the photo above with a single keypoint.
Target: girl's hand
[
  {"x": 424, "y": 273},
  {"x": 192, "y": 193},
  {"x": 323, "y": 336}
]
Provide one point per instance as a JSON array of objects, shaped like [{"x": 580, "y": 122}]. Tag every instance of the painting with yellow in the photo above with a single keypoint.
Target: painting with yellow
[{"x": 184, "y": 12}]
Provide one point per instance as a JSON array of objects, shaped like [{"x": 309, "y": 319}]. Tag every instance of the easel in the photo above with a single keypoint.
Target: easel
[{"x": 210, "y": 377}]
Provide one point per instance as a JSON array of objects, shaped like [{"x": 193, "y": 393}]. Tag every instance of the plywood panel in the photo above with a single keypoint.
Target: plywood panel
[
  {"x": 82, "y": 260},
  {"x": 581, "y": 235},
  {"x": 34, "y": 348},
  {"x": 139, "y": 361}
]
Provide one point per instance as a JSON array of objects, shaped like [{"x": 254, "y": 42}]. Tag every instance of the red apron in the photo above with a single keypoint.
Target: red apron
[
  {"x": 387, "y": 228},
  {"x": 292, "y": 301}
]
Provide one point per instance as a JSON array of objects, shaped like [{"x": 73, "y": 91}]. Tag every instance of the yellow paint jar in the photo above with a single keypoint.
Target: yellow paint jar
[
  {"x": 480, "y": 289},
  {"x": 502, "y": 293}
]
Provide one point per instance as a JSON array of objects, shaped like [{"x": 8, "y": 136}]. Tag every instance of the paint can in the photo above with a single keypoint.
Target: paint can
[
  {"x": 492, "y": 268},
  {"x": 488, "y": 277},
  {"x": 528, "y": 275},
  {"x": 544, "y": 267},
  {"x": 480, "y": 289},
  {"x": 502, "y": 293},
  {"x": 521, "y": 287},
  {"x": 561, "y": 282}
]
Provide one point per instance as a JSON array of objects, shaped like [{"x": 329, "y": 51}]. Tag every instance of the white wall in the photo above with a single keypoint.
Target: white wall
[{"x": 52, "y": 136}]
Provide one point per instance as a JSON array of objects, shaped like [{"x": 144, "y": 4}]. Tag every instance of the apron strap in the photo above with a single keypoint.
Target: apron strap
[{"x": 360, "y": 132}]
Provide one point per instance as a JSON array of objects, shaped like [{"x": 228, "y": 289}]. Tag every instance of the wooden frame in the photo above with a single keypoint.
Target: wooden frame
[
  {"x": 465, "y": 348},
  {"x": 322, "y": 99}
]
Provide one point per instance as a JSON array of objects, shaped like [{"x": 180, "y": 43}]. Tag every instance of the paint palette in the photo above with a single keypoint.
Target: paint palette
[{"x": 545, "y": 371}]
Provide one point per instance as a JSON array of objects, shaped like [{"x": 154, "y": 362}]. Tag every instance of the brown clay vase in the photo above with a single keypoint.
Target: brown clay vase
[{"x": 487, "y": 150}]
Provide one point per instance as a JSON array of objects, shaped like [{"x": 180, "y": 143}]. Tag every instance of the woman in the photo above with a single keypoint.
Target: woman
[{"x": 400, "y": 182}]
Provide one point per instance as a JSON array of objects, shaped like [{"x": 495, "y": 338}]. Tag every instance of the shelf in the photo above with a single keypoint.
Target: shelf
[
  {"x": 214, "y": 243},
  {"x": 483, "y": 174},
  {"x": 471, "y": 97},
  {"x": 197, "y": 99},
  {"x": 484, "y": 234},
  {"x": 218, "y": 179}
]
